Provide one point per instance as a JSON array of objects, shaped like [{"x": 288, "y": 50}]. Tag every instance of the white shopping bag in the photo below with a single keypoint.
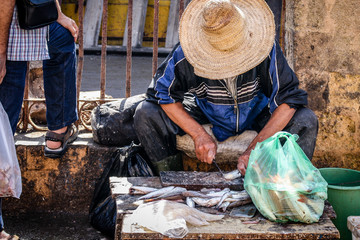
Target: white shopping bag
[{"x": 10, "y": 175}]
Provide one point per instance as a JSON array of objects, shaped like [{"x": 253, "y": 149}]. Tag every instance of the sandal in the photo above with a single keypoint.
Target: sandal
[
  {"x": 67, "y": 137},
  {"x": 6, "y": 236}
]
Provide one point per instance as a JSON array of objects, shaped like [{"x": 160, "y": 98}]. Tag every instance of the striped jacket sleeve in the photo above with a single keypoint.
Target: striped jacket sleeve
[
  {"x": 169, "y": 83},
  {"x": 283, "y": 82}
]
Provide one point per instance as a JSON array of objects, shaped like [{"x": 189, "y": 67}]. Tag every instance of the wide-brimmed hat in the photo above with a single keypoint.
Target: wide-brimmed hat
[{"x": 225, "y": 38}]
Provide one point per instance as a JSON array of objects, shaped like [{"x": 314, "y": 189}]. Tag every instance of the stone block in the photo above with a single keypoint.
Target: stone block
[
  {"x": 228, "y": 151},
  {"x": 63, "y": 184},
  {"x": 353, "y": 224}
]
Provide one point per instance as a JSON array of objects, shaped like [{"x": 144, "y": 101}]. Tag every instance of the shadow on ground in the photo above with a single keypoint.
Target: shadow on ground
[{"x": 51, "y": 226}]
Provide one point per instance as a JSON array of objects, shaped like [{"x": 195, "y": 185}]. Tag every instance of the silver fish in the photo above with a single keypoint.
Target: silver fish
[
  {"x": 239, "y": 194},
  {"x": 190, "y": 202},
  {"x": 224, "y": 206},
  {"x": 134, "y": 190},
  {"x": 223, "y": 197},
  {"x": 239, "y": 202},
  {"x": 191, "y": 193},
  {"x": 232, "y": 175},
  {"x": 218, "y": 193},
  {"x": 173, "y": 192},
  {"x": 206, "y": 202},
  {"x": 207, "y": 190},
  {"x": 157, "y": 193}
]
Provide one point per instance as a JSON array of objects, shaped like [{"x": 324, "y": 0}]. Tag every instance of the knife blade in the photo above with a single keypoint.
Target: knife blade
[{"x": 214, "y": 162}]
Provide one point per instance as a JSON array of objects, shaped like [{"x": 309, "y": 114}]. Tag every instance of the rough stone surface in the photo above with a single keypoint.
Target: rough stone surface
[
  {"x": 325, "y": 54},
  {"x": 353, "y": 224},
  {"x": 227, "y": 151},
  {"x": 62, "y": 184}
]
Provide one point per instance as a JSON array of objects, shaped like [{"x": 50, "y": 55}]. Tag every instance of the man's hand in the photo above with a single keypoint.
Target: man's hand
[
  {"x": 243, "y": 162},
  {"x": 69, "y": 24},
  {"x": 2, "y": 67},
  {"x": 205, "y": 148},
  {"x": 277, "y": 122}
]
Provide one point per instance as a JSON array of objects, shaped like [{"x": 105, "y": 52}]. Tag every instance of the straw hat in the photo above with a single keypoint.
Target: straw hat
[{"x": 225, "y": 38}]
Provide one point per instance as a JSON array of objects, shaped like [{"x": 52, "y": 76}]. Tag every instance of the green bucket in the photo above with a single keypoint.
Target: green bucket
[{"x": 344, "y": 196}]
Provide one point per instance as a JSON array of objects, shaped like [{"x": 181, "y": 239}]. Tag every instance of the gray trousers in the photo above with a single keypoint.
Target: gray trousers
[{"x": 157, "y": 133}]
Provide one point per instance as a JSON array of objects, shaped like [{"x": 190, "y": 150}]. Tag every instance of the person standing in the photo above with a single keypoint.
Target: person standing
[{"x": 55, "y": 45}]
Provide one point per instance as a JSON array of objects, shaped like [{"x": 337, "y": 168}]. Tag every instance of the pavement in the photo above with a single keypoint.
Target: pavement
[
  {"x": 116, "y": 74},
  {"x": 65, "y": 225},
  {"x": 51, "y": 226}
]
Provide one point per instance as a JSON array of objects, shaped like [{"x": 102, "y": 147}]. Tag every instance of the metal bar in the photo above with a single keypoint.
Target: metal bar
[
  {"x": 282, "y": 26},
  {"x": 181, "y": 8},
  {"x": 80, "y": 65},
  {"x": 26, "y": 112},
  {"x": 103, "y": 50},
  {"x": 155, "y": 37},
  {"x": 129, "y": 50}
]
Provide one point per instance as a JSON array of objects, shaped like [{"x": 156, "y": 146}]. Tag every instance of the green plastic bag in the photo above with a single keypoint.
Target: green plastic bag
[{"x": 283, "y": 183}]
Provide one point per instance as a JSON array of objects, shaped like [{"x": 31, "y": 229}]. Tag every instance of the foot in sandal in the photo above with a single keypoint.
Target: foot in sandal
[
  {"x": 56, "y": 141},
  {"x": 5, "y": 236}
]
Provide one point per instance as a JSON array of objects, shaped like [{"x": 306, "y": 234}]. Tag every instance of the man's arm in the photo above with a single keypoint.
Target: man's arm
[
  {"x": 277, "y": 122},
  {"x": 67, "y": 22},
  {"x": 205, "y": 146},
  {"x": 6, "y": 12}
]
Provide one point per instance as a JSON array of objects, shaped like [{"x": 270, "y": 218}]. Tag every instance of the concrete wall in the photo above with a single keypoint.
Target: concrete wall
[{"x": 323, "y": 46}]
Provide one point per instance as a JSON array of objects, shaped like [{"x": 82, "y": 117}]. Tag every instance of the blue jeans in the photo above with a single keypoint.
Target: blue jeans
[{"x": 59, "y": 82}]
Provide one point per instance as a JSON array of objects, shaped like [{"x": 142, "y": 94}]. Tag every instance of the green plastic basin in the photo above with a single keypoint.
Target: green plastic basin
[{"x": 344, "y": 196}]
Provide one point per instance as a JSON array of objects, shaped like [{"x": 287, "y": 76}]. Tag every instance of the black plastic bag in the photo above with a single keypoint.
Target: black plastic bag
[
  {"x": 112, "y": 122},
  {"x": 129, "y": 161}
]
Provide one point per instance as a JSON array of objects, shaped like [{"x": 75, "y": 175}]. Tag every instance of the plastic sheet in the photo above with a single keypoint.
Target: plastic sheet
[
  {"x": 10, "y": 174},
  {"x": 283, "y": 183},
  {"x": 169, "y": 218}
]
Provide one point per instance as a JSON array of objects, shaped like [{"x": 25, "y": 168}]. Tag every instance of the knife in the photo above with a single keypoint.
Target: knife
[{"x": 214, "y": 162}]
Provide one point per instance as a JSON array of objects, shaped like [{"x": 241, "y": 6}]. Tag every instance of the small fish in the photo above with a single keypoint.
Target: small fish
[
  {"x": 135, "y": 190},
  {"x": 232, "y": 175},
  {"x": 239, "y": 194},
  {"x": 157, "y": 193},
  {"x": 190, "y": 202},
  {"x": 191, "y": 193},
  {"x": 173, "y": 192},
  {"x": 176, "y": 198},
  {"x": 207, "y": 190},
  {"x": 224, "y": 206},
  {"x": 239, "y": 202},
  {"x": 206, "y": 202},
  {"x": 223, "y": 197},
  {"x": 218, "y": 193}
]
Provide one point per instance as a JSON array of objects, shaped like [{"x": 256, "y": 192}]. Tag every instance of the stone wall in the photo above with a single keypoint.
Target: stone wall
[
  {"x": 61, "y": 184},
  {"x": 323, "y": 46}
]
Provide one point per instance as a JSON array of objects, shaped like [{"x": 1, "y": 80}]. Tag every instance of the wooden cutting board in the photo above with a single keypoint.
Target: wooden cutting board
[{"x": 192, "y": 180}]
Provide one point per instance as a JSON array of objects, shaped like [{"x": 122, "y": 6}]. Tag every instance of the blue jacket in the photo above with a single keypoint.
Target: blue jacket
[{"x": 268, "y": 85}]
